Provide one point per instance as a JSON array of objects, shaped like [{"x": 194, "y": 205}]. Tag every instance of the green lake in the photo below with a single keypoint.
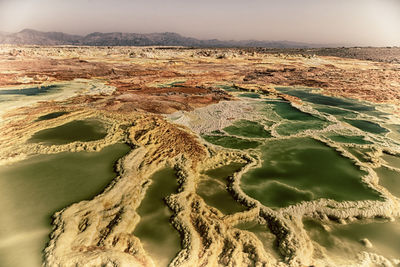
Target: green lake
[
  {"x": 389, "y": 179},
  {"x": 231, "y": 142},
  {"x": 247, "y": 128},
  {"x": 213, "y": 189},
  {"x": 158, "y": 236},
  {"x": 303, "y": 169},
  {"x": 32, "y": 190},
  {"x": 79, "y": 130},
  {"x": 352, "y": 139},
  {"x": 345, "y": 240},
  {"x": 367, "y": 126}
]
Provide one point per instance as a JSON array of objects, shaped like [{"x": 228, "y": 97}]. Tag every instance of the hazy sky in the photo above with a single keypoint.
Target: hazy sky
[{"x": 353, "y": 22}]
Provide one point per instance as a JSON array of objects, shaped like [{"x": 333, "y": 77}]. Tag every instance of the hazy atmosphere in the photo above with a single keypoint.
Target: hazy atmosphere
[{"x": 354, "y": 22}]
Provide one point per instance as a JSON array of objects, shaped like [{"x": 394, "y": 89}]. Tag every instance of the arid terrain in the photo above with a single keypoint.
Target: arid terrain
[{"x": 170, "y": 105}]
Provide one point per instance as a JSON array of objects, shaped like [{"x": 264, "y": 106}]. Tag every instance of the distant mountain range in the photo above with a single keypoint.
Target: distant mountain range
[{"x": 33, "y": 37}]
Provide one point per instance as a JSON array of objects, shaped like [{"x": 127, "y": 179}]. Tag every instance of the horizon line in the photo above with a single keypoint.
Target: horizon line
[
  {"x": 198, "y": 38},
  {"x": 319, "y": 44}
]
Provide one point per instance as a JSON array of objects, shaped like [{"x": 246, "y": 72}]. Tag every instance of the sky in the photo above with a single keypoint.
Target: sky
[{"x": 347, "y": 22}]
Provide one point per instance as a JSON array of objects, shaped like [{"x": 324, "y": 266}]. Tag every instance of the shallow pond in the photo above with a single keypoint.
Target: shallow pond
[
  {"x": 213, "y": 189},
  {"x": 391, "y": 160},
  {"x": 79, "y": 130},
  {"x": 302, "y": 169},
  {"x": 336, "y": 111},
  {"x": 298, "y": 121},
  {"x": 231, "y": 142},
  {"x": 345, "y": 240},
  {"x": 32, "y": 190},
  {"x": 367, "y": 126},
  {"x": 247, "y": 128},
  {"x": 352, "y": 139},
  {"x": 315, "y": 98},
  {"x": 287, "y": 111},
  {"x": 394, "y": 131},
  {"x": 290, "y": 128},
  {"x": 389, "y": 179},
  {"x": 158, "y": 236}
]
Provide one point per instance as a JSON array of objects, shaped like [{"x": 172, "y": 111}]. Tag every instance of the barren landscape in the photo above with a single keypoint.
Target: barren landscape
[{"x": 256, "y": 157}]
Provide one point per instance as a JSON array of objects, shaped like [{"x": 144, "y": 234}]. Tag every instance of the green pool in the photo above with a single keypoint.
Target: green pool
[
  {"x": 158, "y": 236},
  {"x": 79, "y": 130},
  {"x": 32, "y": 190},
  {"x": 303, "y": 169}
]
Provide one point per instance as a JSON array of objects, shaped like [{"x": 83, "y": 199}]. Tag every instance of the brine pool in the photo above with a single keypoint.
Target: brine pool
[
  {"x": 303, "y": 169},
  {"x": 32, "y": 190},
  {"x": 299, "y": 162},
  {"x": 347, "y": 240},
  {"x": 157, "y": 235},
  {"x": 213, "y": 188},
  {"x": 294, "y": 165},
  {"x": 78, "y": 130}
]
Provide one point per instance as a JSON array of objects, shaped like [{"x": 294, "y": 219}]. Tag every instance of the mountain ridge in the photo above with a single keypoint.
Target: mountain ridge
[{"x": 34, "y": 37}]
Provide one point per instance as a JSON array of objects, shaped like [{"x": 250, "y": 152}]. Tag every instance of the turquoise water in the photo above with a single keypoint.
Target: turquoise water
[
  {"x": 213, "y": 189},
  {"x": 32, "y": 190},
  {"x": 79, "y": 130},
  {"x": 158, "y": 236},
  {"x": 247, "y": 128},
  {"x": 302, "y": 169}
]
